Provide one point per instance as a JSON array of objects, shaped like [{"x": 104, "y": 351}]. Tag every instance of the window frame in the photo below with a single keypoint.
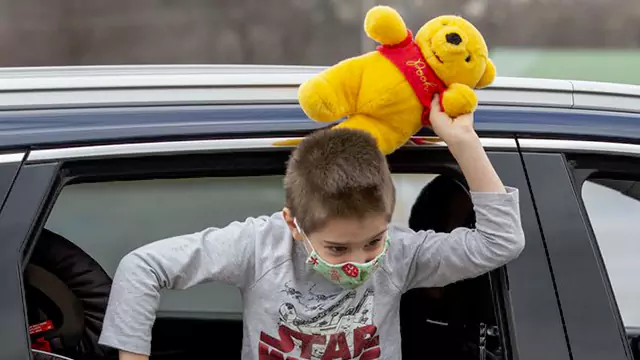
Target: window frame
[
  {"x": 556, "y": 171},
  {"x": 46, "y": 172}
]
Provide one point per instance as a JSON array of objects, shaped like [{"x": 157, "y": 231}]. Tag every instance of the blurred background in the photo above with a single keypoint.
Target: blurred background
[{"x": 578, "y": 39}]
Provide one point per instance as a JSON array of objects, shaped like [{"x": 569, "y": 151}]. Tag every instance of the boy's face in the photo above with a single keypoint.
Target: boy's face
[{"x": 343, "y": 240}]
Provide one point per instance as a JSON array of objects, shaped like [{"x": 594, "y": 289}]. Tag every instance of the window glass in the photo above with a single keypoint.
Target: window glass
[
  {"x": 613, "y": 207},
  {"x": 108, "y": 220}
]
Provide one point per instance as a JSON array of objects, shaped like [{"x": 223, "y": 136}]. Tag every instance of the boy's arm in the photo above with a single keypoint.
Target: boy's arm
[
  {"x": 226, "y": 254},
  {"x": 437, "y": 259},
  {"x": 441, "y": 258},
  {"x": 131, "y": 356}
]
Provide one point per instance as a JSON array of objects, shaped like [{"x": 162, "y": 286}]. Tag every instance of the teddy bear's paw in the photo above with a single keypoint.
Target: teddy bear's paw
[
  {"x": 287, "y": 142},
  {"x": 385, "y": 25},
  {"x": 320, "y": 102},
  {"x": 459, "y": 99}
]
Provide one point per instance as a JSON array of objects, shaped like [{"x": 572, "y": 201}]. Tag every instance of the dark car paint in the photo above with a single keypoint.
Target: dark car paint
[
  {"x": 548, "y": 319},
  {"x": 591, "y": 317},
  {"x": 8, "y": 174},
  {"x": 526, "y": 292},
  {"x": 17, "y": 219},
  {"x": 47, "y": 128}
]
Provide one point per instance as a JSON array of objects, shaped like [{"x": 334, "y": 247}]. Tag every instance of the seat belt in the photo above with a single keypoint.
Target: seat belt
[{"x": 482, "y": 343}]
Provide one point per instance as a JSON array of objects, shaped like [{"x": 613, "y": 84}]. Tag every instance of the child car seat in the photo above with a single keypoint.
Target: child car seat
[{"x": 66, "y": 294}]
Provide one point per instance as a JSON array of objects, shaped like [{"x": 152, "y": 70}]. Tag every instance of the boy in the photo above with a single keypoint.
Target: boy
[{"x": 333, "y": 292}]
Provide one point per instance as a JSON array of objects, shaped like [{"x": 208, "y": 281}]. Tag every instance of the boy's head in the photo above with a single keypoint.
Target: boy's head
[{"x": 338, "y": 188}]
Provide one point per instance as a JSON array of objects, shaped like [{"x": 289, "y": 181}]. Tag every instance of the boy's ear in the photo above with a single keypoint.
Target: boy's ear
[{"x": 288, "y": 218}]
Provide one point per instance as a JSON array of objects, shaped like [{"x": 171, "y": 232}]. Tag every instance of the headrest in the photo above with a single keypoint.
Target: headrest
[{"x": 443, "y": 205}]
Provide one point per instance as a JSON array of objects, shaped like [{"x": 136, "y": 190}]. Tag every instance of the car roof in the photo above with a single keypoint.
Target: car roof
[
  {"x": 45, "y": 106},
  {"x": 53, "y": 87}
]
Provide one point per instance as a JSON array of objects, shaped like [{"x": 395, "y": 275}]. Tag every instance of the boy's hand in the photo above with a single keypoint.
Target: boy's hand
[
  {"x": 465, "y": 146},
  {"x": 448, "y": 129}
]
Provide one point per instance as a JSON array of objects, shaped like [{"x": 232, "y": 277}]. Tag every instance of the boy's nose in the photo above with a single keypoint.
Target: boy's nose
[{"x": 361, "y": 258}]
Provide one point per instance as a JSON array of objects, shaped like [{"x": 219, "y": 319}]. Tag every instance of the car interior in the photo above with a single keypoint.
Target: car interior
[
  {"x": 457, "y": 321},
  {"x": 67, "y": 292}
]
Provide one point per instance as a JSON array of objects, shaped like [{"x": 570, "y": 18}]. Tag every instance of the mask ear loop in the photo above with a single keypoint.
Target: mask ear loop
[
  {"x": 306, "y": 238},
  {"x": 295, "y": 222}
]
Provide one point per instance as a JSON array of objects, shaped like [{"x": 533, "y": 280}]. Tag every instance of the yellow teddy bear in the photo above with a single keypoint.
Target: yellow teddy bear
[{"x": 388, "y": 92}]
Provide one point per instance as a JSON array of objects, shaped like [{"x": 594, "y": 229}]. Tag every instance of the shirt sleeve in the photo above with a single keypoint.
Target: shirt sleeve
[
  {"x": 433, "y": 259},
  {"x": 214, "y": 254}
]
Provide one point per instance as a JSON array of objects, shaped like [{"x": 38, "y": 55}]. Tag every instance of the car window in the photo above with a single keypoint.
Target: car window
[
  {"x": 92, "y": 225},
  {"x": 108, "y": 220},
  {"x": 613, "y": 208}
]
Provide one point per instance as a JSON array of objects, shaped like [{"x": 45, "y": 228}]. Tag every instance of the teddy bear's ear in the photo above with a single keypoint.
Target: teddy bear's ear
[{"x": 488, "y": 76}]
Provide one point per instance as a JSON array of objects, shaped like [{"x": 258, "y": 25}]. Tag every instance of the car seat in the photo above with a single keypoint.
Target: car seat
[
  {"x": 444, "y": 322},
  {"x": 66, "y": 294},
  {"x": 442, "y": 205}
]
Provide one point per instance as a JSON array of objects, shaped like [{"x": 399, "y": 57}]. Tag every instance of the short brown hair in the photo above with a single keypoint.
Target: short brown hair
[{"x": 337, "y": 173}]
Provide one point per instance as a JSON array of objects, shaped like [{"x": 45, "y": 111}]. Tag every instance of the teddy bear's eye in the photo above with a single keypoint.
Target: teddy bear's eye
[{"x": 468, "y": 58}]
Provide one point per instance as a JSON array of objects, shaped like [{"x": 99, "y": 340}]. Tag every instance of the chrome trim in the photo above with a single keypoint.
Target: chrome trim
[
  {"x": 46, "y": 353},
  {"x": 579, "y": 146},
  {"x": 103, "y": 98},
  {"x": 170, "y": 147},
  {"x": 149, "y": 76},
  {"x": 492, "y": 143},
  {"x": 147, "y": 85},
  {"x": 11, "y": 158}
]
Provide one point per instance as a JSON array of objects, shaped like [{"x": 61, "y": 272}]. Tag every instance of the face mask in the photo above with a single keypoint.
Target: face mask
[{"x": 348, "y": 274}]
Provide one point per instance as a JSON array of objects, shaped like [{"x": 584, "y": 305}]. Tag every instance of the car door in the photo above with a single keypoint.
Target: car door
[
  {"x": 110, "y": 199},
  {"x": 526, "y": 297},
  {"x": 10, "y": 163},
  {"x": 587, "y": 199}
]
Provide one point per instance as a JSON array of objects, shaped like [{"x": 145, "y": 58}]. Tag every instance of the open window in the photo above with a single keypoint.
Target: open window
[
  {"x": 460, "y": 320},
  {"x": 610, "y": 191},
  {"x": 104, "y": 209}
]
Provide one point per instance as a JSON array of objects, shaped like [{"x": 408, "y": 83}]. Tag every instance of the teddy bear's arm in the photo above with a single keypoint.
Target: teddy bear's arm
[
  {"x": 459, "y": 99},
  {"x": 332, "y": 94},
  {"x": 385, "y": 25}
]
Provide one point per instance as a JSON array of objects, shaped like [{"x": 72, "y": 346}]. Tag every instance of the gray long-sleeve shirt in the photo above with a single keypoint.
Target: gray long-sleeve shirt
[{"x": 288, "y": 308}]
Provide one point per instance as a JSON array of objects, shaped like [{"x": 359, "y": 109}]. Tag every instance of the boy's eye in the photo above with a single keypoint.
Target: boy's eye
[
  {"x": 374, "y": 242},
  {"x": 337, "y": 249}
]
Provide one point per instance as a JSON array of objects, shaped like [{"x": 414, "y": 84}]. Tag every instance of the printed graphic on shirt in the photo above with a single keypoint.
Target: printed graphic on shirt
[{"x": 341, "y": 327}]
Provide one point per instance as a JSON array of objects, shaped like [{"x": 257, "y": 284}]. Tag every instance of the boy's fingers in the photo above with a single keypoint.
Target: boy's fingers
[{"x": 435, "y": 103}]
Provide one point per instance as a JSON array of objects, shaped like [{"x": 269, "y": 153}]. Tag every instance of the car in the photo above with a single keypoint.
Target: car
[{"x": 96, "y": 161}]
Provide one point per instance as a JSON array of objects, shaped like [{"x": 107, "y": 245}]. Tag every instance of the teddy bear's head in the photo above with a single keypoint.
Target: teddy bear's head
[{"x": 456, "y": 51}]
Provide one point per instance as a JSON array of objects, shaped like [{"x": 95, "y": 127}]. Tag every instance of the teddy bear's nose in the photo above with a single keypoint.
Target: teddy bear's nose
[{"x": 454, "y": 38}]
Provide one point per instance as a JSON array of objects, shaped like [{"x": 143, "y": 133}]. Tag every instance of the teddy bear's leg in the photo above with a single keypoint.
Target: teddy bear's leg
[
  {"x": 332, "y": 94},
  {"x": 388, "y": 138},
  {"x": 459, "y": 99}
]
